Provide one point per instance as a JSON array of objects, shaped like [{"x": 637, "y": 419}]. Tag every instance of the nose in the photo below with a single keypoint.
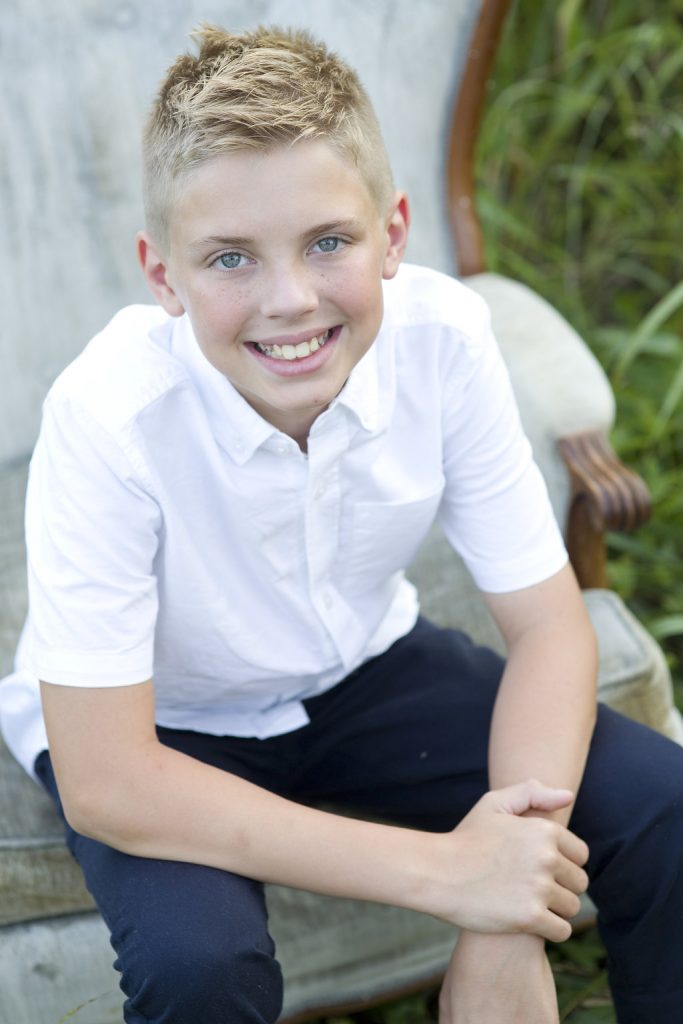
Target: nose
[{"x": 289, "y": 292}]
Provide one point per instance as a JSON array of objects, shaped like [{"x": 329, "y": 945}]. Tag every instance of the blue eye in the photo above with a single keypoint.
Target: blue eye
[
  {"x": 329, "y": 244},
  {"x": 229, "y": 260}
]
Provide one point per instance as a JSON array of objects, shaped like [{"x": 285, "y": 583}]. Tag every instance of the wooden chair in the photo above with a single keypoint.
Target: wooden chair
[{"x": 75, "y": 85}]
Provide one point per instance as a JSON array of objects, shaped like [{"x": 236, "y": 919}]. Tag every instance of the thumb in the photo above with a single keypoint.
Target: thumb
[{"x": 531, "y": 795}]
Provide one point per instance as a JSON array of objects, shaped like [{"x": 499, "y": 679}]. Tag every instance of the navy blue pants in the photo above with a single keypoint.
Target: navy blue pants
[{"x": 402, "y": 738}]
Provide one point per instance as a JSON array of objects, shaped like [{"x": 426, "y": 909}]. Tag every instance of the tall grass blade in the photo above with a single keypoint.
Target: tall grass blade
[{"x": 664, "y": 309}]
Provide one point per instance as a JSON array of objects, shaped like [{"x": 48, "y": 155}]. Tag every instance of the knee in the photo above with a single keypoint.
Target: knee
[
  {"x": 630, "y": 802},
  {"x": 213, "y": 982}
]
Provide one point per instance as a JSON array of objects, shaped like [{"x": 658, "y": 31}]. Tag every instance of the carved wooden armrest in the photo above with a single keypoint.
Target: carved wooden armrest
[{"x": 605, "y": 496}]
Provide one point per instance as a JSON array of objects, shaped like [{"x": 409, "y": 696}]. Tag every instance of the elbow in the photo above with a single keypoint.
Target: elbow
[
  {"x": 91, "y": 811},
  {"x": 86, "y": 816}
]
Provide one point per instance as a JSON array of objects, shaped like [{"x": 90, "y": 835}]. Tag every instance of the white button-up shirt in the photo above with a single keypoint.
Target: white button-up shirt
[{"x": 174, "y": 534}]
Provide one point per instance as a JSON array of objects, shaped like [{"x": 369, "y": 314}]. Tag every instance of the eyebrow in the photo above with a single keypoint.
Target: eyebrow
[
  {"x": 351, "y": 224},
  {"x": 225, "y": 241},
  {"x": 220, "y": 240}
]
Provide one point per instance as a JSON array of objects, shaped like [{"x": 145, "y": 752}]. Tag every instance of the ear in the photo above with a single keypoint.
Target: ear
[
  {"x": 155, "y": 268},
  {"x": 397, "y": 234}
]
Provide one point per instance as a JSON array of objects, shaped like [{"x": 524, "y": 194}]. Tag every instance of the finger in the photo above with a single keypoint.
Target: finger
[
  {"x": 551, "y": 927},
  {"x": 564, "y": 903},
  {"x": 525, "y": 796},
  {"x": 546, "y": 799},
  {"x": 570, "y": 876},
  {"x": 572, "y": 847}
]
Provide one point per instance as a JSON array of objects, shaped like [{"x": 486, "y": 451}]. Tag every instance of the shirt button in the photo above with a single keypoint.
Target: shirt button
[{"x": 328, "y": 600}]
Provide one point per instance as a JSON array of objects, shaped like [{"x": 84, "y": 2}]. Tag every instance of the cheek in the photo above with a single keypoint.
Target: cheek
[
  {"x": 220, "y": 312},
  {"x": 361, "y": 291}
]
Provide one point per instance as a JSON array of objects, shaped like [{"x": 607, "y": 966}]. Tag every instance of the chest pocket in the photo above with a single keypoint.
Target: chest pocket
[{"x": 385, "y": 537}]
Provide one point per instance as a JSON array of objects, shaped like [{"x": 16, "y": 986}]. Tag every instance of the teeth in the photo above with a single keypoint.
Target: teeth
[{"x": 300, "y": 351}]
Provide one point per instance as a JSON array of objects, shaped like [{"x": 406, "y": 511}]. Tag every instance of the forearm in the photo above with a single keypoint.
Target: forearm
[
  {"x": 542, "y": 723},
  {"x": 545, "y": 712},
  {"x": 121, "y": 786},
  {"x": 491, "y": 873},
  {"x": 176, "y": 808}
]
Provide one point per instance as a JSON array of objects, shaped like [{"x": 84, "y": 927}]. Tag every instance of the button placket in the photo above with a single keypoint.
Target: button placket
[{"x": 322, "y": 520}]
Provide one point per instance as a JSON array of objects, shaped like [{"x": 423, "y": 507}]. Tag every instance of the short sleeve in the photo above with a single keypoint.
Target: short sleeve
[
  {"x": 92, "y": 531},
  {"x": 495, "y": 510}
]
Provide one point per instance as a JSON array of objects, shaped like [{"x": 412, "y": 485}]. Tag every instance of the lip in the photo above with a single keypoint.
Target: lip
[{"x": 296, "y": 367}]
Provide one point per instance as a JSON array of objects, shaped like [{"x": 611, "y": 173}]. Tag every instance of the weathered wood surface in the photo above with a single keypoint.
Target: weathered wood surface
[{"x": 75, "y": 81}]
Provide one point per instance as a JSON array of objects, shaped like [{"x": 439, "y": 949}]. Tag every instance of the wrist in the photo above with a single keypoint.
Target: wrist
[
  {"x": 420, "y": 871},
  {"x": 435, "y": 884},
  {"x": 502, "y": 945}
]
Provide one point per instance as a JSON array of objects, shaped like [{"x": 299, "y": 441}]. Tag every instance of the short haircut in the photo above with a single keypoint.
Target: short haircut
[{"x": 263, "y": 88}]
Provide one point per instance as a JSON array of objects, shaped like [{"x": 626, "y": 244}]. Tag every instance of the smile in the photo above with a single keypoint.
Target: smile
[{"x": 291, "y": 352}]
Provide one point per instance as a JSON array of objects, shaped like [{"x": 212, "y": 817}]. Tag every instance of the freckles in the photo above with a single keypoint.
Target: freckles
[{"x": 239, "y": 302}]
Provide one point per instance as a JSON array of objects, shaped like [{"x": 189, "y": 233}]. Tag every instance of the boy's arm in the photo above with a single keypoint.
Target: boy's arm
[
  {"x": 542, "y": 725},
  {"x": 545, "y": 711},
  {"x": 496, "y": 872}
]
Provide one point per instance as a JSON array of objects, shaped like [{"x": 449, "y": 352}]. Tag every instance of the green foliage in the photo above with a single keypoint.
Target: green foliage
[
  {"x": 579, "y": 168},
  {"x": 579, "y": 177},
  {"x": 581, "y": 980}
]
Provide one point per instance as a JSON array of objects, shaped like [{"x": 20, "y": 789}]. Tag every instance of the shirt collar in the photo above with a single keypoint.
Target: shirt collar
[
  {"x": 237, "y": 427},
  {"x": 360, "y": 393},
  {"x": 369, "y": 392}
]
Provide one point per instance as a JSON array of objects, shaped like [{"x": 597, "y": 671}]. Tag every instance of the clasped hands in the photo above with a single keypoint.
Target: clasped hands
[
  {"x": 519, "y": 881},
  {"x": 499, "y": 872}
]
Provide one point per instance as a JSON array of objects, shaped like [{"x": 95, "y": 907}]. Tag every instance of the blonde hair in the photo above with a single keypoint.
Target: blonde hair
[{"x": 266, "y": 87}]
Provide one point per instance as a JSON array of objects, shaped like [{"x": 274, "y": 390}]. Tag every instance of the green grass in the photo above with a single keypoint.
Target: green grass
[{"x": 579, "y": 181}]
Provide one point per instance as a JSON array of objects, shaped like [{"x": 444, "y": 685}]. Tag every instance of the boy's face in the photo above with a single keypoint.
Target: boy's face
[{"x": 278, "y": 257}]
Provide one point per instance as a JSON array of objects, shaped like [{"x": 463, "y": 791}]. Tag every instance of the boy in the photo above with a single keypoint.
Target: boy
[{"x": 223, "y": 498}]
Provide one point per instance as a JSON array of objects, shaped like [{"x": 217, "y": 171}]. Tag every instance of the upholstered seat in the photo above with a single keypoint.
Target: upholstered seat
[{"x": 71, "y": 197}]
